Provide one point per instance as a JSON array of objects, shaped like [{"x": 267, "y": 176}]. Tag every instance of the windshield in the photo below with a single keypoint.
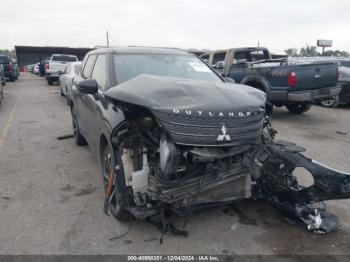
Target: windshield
[
  {"x": 128, "y": 66},
  {"x": 64, "y": 58}
]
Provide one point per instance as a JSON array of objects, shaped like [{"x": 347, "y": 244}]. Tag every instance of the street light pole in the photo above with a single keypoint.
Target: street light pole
[{"x": 107, "y": 37}]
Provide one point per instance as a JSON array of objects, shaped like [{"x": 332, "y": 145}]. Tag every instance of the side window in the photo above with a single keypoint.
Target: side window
[
  {"x": 88, "y": 66},
  {"x": 99, "y": 73},
  {"x": 205, "y": 57},
  {"x": 240, "y": 57},
  {"x": 219, "y": 57},
  {"x": 345, "y": 63},
  {"x": 258, "y": 55}
]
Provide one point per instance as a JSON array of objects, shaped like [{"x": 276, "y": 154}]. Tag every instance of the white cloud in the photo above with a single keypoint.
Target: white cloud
[{"x": 277, "y": 24}]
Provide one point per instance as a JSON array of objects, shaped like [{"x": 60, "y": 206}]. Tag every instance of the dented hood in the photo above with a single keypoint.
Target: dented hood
[{"x": 167, "y": 94}]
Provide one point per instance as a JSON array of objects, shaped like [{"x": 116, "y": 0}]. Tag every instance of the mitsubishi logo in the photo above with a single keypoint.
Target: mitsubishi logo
[{"x": 224, "y": 136}]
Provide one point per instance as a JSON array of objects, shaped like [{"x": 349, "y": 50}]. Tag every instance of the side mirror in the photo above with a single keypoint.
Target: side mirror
[{"x": 88, "y": 86}]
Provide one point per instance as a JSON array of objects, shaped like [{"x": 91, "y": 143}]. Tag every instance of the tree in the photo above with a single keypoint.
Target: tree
[
  {"x": 10, "y": 53},
  {"x": 309, "y": 51},
  {"x": 291, "y": 51},
  {"x": 336, "y": 53}
]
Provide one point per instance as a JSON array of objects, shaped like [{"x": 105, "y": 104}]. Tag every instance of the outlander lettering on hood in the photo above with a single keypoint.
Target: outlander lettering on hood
[{"x": 213, "y": 114}]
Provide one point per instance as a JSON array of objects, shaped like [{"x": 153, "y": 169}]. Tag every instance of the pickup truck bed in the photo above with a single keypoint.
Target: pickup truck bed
[
  {"x": 343, "y": 80},
  {"x": 56, "y": 66},
  {"x": 294, "y": 85}
]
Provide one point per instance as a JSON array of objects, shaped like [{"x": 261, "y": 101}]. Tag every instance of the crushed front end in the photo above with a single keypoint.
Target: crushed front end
[{"x": 199, "y": 154}]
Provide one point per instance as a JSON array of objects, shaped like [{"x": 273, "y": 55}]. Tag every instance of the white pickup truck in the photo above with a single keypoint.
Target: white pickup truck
[{"x": 56, "y": 66}]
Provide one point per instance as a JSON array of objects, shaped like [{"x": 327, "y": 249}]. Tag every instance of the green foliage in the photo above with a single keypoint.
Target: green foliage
[
  {"x": 336, "y": 53},
  {"x": 10, "y": 53},
  {"x": 291, "y": 52},
  {"x": 308, "y": 51}
]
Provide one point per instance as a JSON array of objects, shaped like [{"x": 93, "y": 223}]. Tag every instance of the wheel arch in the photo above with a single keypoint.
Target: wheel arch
[{"x": 258, "y": 82}]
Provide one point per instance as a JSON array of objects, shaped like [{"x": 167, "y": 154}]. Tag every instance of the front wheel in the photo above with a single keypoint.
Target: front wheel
[
  {"x": 117, "y": 200},
  {"x": 78, "y": 137},
  {"x": 298, "y": 108},
  {"x": 330, "y": 102}
]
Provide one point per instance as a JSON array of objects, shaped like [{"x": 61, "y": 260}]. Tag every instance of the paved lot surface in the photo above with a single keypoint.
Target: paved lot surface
[{"x": 51, "y": 196}]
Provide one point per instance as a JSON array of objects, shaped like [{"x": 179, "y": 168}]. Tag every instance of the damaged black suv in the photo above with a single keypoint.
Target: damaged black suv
[{"x": 172, "y": 135}]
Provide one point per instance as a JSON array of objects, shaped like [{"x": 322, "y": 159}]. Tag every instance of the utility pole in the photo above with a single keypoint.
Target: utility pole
[{"x": 107, "y": 37}]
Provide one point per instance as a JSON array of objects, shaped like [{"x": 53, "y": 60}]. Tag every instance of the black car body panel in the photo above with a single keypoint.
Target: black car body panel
[
  {"x": 167, "y": 93},
  {"x": 176, "y": 144}
]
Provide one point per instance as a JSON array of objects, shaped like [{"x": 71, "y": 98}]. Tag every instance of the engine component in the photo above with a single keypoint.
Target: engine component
[
  {"x": 140, "y": 177},
  {"x": 169, "y": 157}
]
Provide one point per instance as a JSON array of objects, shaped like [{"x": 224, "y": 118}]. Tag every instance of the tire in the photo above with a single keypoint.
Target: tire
[
  {"x": 269, "y": 108},
  {"x": 50, "y": 81},
  {"x": 298, "y": 108},
  {"x": 330, "y": 102},
  {"x": 78, "y": 137},
  {"x": 118, "y": 202}
]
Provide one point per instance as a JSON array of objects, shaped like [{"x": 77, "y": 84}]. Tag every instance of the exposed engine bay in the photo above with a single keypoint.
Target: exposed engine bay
[{"x": 180, "y": 160}]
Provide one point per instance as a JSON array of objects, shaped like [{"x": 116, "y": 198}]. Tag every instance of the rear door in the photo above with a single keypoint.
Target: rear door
[{"x": 80, "y": 98}]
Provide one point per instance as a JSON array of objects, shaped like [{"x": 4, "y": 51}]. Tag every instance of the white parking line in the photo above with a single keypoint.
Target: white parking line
[{"x": 9, "y": 121}]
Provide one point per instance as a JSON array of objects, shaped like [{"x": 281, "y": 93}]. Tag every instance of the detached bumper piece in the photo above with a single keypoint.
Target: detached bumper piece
[{"x": 280, "y": 187}]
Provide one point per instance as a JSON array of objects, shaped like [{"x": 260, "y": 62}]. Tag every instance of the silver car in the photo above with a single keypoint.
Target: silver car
[{"x": 67, "y": 77}]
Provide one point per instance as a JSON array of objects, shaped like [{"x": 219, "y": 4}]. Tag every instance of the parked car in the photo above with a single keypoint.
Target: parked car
[
  {"x": 57, "y": 65},
  {"x": 2, "y": 76},
  {"x": 30, "y": 68},
  {"x": 172, "y": 136},
  {"x": 36, "y": 69},
  {"x": 285, "y": 84},
  {"x": 67, "y": 77},
  {"x": 343, "y": 79},
  {"x": 7, "y": 64}
]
